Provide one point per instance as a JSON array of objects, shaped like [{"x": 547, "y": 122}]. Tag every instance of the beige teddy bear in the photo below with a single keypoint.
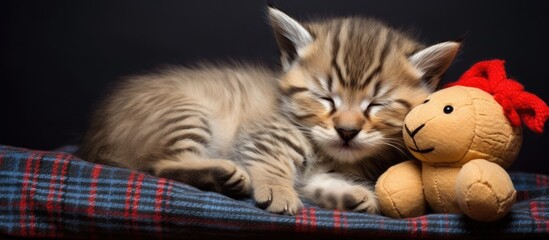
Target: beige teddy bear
[{"x": 464, "y": 137}]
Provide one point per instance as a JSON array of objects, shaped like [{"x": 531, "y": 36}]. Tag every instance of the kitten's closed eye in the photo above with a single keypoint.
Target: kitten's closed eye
[
  {"x": 330, "y": 102},
  {"x": 376, "y": 104},
  {"x": 373, "y": 106}
]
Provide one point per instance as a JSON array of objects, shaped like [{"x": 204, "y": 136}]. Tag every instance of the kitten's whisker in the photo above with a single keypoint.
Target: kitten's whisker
[{"x": 395, "y": 145}]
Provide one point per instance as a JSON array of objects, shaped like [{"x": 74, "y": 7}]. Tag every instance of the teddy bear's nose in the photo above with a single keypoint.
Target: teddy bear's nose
[{"x": 415, "y": 131}]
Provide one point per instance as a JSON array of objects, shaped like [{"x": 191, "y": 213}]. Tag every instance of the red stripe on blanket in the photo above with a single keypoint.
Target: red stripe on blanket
[
  {"x": 59, "y": 198},
  {"x": 157, "y": 217},
  {"x": 27, "y": 202},
  {"x": 128, "y": 201},
  {"x": 51, "y": 192},
  {"x": 312, "y": 213},
  {"x": 93, "y": 189},
  {"x": 91, "y": 211},
  {"x": 419, "y": 226},
  {"x": 50, "y": 202},
  {"x": 340, "y": 221},
  {"x": 337, "y": 221},
  {"x": 32, "y": 216},
  {"x": 306, "y": 220},
  {"x": 423, "y": 220},
  {"x": 537, "y": 209},
  {"x": 137, "y": 195},
  {"x": 23, "y": 203}
]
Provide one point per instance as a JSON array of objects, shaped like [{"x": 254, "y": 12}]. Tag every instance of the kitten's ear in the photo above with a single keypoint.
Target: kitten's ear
[
  {"x": 434, "y": 60},
  {"x": 291, "y": 36}
]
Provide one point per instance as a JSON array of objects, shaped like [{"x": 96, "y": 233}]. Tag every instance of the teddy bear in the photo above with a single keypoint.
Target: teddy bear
[{"x": 464, "y": 137}]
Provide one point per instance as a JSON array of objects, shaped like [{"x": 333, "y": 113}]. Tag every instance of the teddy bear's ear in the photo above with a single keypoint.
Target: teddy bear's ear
[{"x": 433, "y": 61}]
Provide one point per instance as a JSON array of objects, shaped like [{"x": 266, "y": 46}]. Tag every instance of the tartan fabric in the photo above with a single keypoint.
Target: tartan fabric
[{"x": 56, "y": 195}]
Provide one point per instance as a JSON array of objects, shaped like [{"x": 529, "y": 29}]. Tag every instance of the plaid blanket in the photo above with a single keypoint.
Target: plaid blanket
[{"x": 56, "y": 195}]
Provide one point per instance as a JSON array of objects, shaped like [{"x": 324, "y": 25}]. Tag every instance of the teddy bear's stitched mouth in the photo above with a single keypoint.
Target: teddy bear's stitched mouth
[
  {"x": 412, "y": 135},
  {"x": 427, "y": 150}
]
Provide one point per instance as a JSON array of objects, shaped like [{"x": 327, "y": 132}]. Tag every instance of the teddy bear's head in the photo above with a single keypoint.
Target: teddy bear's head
[
  {"x": 458, "y": 124},
  {"x": 480, "y": 116}
]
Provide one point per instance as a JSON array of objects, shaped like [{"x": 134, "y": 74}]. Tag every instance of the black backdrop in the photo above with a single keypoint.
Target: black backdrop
[{"x": 59, "y": 57}]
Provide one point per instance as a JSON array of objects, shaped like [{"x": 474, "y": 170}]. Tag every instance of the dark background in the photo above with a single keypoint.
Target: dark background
[{"x": 59, "y": 57}]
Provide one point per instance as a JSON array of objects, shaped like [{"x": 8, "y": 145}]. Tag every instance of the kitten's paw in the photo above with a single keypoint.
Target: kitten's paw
[
  {"x": 351, "y": 198},
  {"x": 218, "y": 175},
  {"x": 277, "y": 199},
  {"x": 360, "y": 199},
  {"x": 233, "y": 181}
]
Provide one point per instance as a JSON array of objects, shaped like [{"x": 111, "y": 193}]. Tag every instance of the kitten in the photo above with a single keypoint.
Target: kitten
[
  {"x": 348, "y": 84},
  {"x": 323, "y": 128}
]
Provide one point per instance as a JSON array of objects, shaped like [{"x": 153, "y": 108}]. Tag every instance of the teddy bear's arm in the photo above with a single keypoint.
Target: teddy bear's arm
[{"x": 400, "y": 190}]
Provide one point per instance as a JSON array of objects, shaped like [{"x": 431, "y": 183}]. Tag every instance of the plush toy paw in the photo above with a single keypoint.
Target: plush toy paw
[
  {"x": 484, "y": 190},
  {"x": 400, "y": 192}
]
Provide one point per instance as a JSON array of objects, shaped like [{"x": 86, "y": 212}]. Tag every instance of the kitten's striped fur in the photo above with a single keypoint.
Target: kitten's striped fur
[{"x": 324, "y": 127}]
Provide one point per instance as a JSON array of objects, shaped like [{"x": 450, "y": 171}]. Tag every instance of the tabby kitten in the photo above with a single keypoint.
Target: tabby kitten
[{"x": 324, "y": 127}]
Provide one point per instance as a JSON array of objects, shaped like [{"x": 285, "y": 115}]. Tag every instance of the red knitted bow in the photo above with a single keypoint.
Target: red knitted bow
[{"x": 490, "y": 76}]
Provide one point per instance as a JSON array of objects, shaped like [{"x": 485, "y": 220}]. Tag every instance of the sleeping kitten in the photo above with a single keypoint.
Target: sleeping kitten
[{"x": 324, "y": 127}]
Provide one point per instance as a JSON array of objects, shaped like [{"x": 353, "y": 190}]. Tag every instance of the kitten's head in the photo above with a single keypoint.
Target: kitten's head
[{"x": 349, "y": 82}]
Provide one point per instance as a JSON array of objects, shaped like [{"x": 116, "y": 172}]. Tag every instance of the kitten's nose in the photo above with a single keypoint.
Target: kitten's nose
[{"x": 347, "y": 134}]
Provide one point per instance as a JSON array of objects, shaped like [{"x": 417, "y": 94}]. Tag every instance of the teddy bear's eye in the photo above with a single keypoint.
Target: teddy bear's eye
[
  {"x": 448, "y": 109},
  {"x": 426, "y": 100}
]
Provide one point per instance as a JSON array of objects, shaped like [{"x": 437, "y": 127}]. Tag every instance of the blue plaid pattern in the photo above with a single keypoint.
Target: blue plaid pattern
[{"x": 56, "y": 195}]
